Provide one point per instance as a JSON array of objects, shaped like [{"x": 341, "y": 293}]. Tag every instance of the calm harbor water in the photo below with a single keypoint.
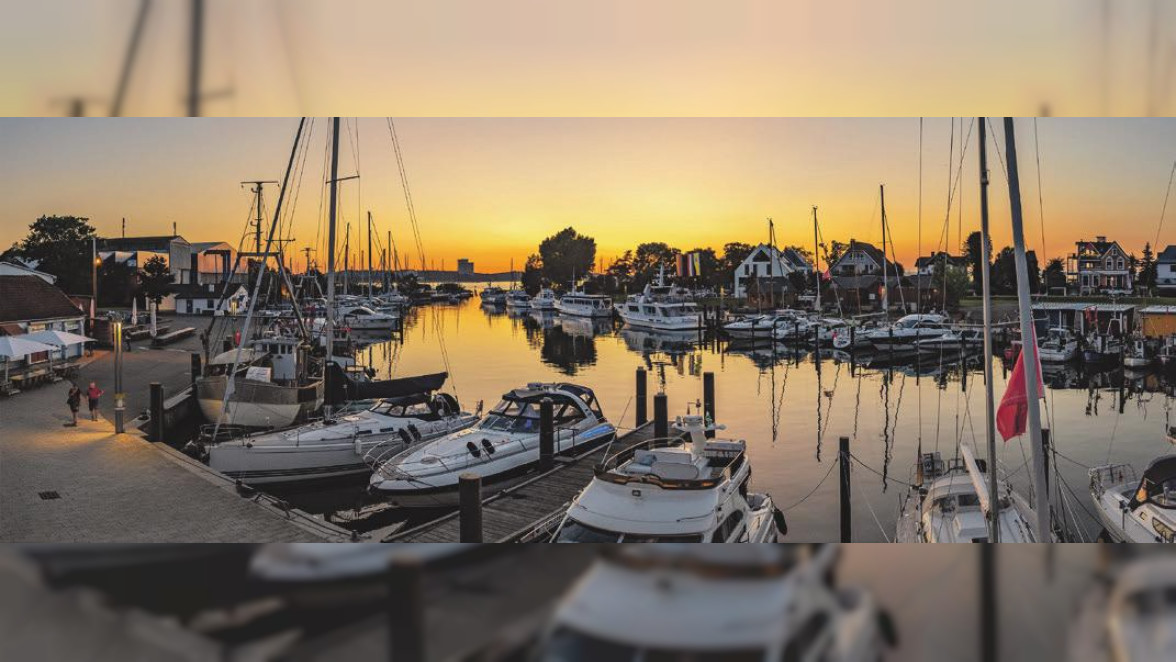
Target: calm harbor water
[{"x": 790, "y": 406}]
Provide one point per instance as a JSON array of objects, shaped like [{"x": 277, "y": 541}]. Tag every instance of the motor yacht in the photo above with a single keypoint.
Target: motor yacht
[
  {"x": 661, "y": 307},
  {"x": 493, "y": 295},
  {"x": 578, "y": 304},
  {"x": 686, "y": 488},
  {"x": 740, "y": 603},
  {"x": 1134, "y": 509},
  {"x": 906, "y": 331},
  {"x": 518, "y": 299},
  {"x": 347, "y": 444},
  {"x": 544, "y": 300},
  {"x": 955, "y": 340},
  {"x": 950, "y": 502},
  {"x": 502, "y": 448},
  {"x": 363, "y": 318}
]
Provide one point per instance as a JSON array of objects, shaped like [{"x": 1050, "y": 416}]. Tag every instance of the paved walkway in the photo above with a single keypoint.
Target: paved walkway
[{"x": 119, "y": 488}]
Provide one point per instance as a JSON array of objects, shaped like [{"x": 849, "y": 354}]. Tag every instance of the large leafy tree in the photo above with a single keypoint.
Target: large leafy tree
[
  {"x": 567, "y": 254},
  {"x": 532, "y": 279},
  {"x": 734, "y": 254},
  {"x": 61, "y": 245},
  {"x": 156, "y": 279},
  {"x": 1054, "y": 275},
  {"x": 650, "y": 257},
  {"x": 1004, "y": 272}
]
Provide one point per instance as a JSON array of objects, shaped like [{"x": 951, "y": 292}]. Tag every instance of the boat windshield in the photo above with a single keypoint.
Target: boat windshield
[
  {"x": 573, "y": 531},
  {"x": 568, "y": 645}
]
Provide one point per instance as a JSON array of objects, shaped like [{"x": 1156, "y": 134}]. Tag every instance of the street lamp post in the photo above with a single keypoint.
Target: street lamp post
[
  {"x": 94, "y": 262},
  {"x": 120, "y": 398}
]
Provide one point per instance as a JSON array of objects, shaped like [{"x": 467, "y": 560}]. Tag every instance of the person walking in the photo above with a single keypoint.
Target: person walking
[
  {"x": 93, "y": 394},
  {"x": 74, "y": 400}
]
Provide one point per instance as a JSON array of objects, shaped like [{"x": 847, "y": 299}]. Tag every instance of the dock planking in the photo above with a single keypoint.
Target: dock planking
[{"x": 510, "y": 513}]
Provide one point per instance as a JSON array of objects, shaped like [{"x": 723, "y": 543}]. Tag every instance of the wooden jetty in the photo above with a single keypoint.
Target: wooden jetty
[{"x": 511, "y": 514}]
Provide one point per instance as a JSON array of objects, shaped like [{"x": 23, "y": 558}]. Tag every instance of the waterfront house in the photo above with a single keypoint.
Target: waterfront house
[
  {"x": 29, "y": 304},
  {"x": 211, "y": 299},
  {"x": 769, "y": 267},
  {"x": 1166, "y": 272},
  {"x": 925, "y": 266},
  {"x": 1099, "y": 267}
]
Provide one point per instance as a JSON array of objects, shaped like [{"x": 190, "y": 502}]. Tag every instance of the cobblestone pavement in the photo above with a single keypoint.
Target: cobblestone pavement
[{"x": 117, "y": 488}]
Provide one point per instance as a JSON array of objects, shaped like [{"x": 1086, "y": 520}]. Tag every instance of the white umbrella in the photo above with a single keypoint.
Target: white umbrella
[
  {"x": 15, "y": 347},
  {"x": 58, "y": 338}
]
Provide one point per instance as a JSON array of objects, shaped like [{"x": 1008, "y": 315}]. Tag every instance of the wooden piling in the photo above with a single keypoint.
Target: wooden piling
[
  {"x": 642, "y": 397},
  {"x": 156, "y": 411},
  {"x": 846, "y": 518},
  {"x": 546, "y": 435},
  {"x": 406, "y": 611},
  {"x": 708, "y": 400},
  {"x": 469, "y": 494},
  {"x": 661, "y": 417}
]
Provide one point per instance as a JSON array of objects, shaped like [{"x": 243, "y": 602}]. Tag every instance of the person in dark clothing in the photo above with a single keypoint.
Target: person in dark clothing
[{"x": 74, "y": 400}]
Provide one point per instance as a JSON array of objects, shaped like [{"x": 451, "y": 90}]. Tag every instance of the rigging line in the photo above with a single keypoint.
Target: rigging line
[
  {"x": 876, "y": 520},
  {"x": 832, "y": 466},
  {"x": 1040, "y": 198},
  {"x": 1164, "y": 210},
  {"x": 919, "y": 282},
  {"x": 879, "y": 474}
]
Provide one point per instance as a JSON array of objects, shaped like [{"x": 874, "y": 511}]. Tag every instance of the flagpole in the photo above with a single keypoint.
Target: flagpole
[
  {"x": 1028, "y": 339},
  {"x": 989, "y": 402}
]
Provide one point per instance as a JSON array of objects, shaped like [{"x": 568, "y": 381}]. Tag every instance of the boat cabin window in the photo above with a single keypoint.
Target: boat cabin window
[
  {"x": 1151, "y": 601},
  {"x": 573, "y": 531},
  {"x": 731, "y": 529}
]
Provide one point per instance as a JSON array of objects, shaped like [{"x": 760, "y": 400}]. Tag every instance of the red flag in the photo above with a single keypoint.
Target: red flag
[{"x": 1013, "y": 412}]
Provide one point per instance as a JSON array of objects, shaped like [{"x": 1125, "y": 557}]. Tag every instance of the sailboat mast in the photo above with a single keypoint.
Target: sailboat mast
[
  {"x": 885, "y": 284},
  {"x": 369, "y": 271},
  {"x": 989, "y": 398},
  {"x": 816, "y": 258},
  {"x": 331, "y": 218},
  {"x": 1028, "y": 338},
  {"x": 771, "y": 263}
]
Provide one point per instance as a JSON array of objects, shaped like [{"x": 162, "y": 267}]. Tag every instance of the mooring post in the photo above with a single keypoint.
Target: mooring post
[
  {"x": 642, "y": 397},
  {"x": 469, "y": 495},
  {"x": 708, "y": 400},
  {"x": 661, "y": 417},
  {"x": 846, "y": 520},
  {"x": 988, "y": 628},
  {"x": 156, "y": 411},
  {"x": 406, "y": 611},
  {"x": 546, "y": 435},
  {"x": 195, "y": 369}
]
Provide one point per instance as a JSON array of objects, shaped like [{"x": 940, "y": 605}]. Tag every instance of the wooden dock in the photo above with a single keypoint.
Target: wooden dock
[{"x": 508, "y": 515}]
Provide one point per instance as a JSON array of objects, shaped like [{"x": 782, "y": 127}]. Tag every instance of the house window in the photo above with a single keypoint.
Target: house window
[
  {"x": 209, "y": 303},
  {"x": 1122, "y": 265}
]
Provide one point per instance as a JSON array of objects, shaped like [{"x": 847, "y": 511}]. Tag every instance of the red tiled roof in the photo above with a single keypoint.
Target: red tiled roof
[{"x": 31, "y": 298}]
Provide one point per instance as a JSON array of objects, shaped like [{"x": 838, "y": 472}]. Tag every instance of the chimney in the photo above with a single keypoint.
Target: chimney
[{"x": 1101, "y": 239}]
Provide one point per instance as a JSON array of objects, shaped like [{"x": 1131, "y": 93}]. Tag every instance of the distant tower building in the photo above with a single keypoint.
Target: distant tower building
[{"x": 464, "y": 266}]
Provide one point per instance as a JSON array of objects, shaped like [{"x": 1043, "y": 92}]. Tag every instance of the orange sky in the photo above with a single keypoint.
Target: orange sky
[{"x": 491, "y": 189}]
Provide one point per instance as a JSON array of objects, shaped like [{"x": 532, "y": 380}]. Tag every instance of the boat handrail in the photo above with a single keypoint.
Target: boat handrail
[{"x": 1110, "y": 475}]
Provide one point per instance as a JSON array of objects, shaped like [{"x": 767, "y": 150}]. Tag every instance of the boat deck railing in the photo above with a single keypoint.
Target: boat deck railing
[
  {"x": 723, "y": 460},
  {"x": 1112, "y": 475}
]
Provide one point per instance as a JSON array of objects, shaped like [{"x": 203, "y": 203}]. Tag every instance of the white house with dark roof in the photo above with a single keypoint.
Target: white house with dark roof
[
  {"x": 767, "y": 263},
  {"x": 1166, "y": 271},
  {"x": 1099, "y": 267}
]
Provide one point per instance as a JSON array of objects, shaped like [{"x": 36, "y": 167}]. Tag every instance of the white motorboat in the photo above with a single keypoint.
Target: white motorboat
[
  {"x": 955, "y": 340},
  {"x": 759, "y": 603},
  {"x": 518, "y": 300},
  {"x": 661, "y": 307},
  {"x": 578, "y": 304},
  {"x": 1136, "y": 354},
  {"x": 906, "y": 331},
  {"x": 950, "y": 503},
  {"x": 828, "y": 328},
  {"x": 544, "y": 300},
  {"x": 502, "y": 448},
  {"x": 1130, "y": 616},
  {"x": 345, "y": 445},
  {"x": 798, "y": 330},
  {"x": 1136, "y": 509},
  {"x": 760, "y": 326},
  {"x": 1059, "y": 346},
  {"x": 686, "y": 488},
  {"x": 362, "y": 318},
  {"x": 276, "y": 384},
  {"x": 493, "y": 295}
]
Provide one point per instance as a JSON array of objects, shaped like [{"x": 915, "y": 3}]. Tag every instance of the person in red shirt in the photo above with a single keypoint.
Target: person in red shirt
[{"x": 93, "y": 393}]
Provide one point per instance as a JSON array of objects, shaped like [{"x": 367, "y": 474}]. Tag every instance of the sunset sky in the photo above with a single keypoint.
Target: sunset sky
[{"x": 491, "y": 189}]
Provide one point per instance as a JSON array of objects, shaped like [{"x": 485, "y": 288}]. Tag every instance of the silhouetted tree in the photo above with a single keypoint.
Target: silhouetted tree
[
  {"x": 565, "y": 254},
  {"x": 61, "y": 245},
  {"x": 156, "y": 280}
]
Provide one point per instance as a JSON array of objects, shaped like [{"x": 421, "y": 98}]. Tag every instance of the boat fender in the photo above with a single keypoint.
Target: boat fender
[
  {"x": 404, "y": 435},
  {"x": 488, "y": 446},
  {"x": 473, "y": 449},
  {"x": 781, "y": 523},
  {"x": 887, "y": 628},
  {"x": 416, "y": 433}
]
